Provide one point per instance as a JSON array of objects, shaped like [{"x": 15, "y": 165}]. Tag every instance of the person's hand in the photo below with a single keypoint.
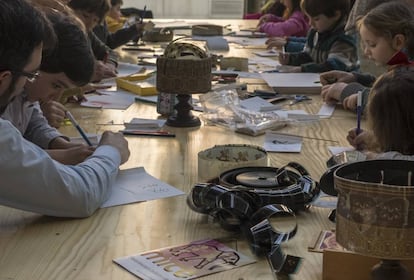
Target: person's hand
[
  {"x": 332, "y": 93},
  {"x": 118, "y": 141},
  {"x": 362, "y": 141},
  {"x": 72, "y": 156},
  {"x": 275, "y": 42},
  {"x": 54, "y": 112},
  {"x": 284, "y": 58},
  {"x": 103, "y": 70},
  {"x": 264, "y": 18},
  {"x": 350, "y": 103},
  {"x": 335, "y": 76}
]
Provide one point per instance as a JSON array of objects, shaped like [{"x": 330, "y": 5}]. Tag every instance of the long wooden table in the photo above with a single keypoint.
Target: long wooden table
[{"x": 33, "y": 246}]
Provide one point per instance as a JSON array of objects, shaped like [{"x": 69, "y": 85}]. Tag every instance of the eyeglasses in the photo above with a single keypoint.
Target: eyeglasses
[{"x": 31, "y": 77}]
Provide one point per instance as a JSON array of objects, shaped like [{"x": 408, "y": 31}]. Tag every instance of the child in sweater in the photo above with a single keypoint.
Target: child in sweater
[
  {"x": 327, "y": 46},
  {"x": 390, "y": 117},
  {"x": 292, "y": 23},
  {"x": 387, "y": 36}
]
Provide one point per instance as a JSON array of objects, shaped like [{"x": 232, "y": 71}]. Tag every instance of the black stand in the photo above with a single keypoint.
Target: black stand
[
  {"x": 390, "y": 270},
  {"x": 184, "y": 117}
]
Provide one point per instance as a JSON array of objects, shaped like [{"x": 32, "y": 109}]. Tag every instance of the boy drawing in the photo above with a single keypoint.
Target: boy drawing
[
  {"x": 30, "y": 179},
  {"x": 327, "y": 46}
]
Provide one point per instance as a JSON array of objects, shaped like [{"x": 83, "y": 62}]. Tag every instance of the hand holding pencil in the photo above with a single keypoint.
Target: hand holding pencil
[{"x": 80, "y": 130}]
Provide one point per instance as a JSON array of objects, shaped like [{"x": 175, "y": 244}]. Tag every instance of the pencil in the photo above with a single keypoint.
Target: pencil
[
  {"x": 143, "y": 14},
  {"x": 359, "y": 112},
  {"x": 76, "y": 125}
]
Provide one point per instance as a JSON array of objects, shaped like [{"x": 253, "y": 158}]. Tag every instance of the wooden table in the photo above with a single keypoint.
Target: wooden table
[{"x": 38, "y": 247}]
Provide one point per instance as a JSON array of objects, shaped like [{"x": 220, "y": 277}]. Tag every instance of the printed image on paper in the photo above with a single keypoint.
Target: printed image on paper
[{"x": 188, "y": 261}]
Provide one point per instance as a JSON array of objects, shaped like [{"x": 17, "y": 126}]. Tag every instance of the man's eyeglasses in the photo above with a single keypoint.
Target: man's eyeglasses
[{"x": 31, "y": 77}]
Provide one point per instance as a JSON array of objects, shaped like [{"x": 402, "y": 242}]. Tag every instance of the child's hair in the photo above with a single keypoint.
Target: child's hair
[
  {"x": 274, "y": 7},
  {"x": 295, "y": 7},
  {"x": 277, "y": 8},
  {"x": 117, "y": 2},
  {"x": 390, "y": 19},
  {"x": 96, "y": 7},
  {"x": 72, "y": 53},
  {"x": 390, "y": 110},
  {"x": 20, "y": 35},
  {"x": 326, "y": 7}
]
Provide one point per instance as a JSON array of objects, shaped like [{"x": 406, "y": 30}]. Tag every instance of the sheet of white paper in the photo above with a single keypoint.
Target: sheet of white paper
[
  {"x": 275, "y": 142},
  {"x": 286, "y": 113},
  {"x": 267, "y": 53},
  {"x": 110, "y": 99},
  {"x": 326, "y": 110},
  {"x": 244, "y": 41},
  {"x": 336, "y": 150},
  {"x": 264, "y": 61},
  {"x": 172, "y": 24},
  {"x": 258, "y": 104},
  {"x": 303, "y": 117},
  {"x": 136, "y": 185},
  {"x": 248, "y": 34},
  {"x": 126, "y": 69},
  {"x": 299, "y": 83}
]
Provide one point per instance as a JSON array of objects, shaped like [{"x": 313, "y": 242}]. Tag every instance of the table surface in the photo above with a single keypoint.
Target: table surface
[{"x": 33, "y": 246}]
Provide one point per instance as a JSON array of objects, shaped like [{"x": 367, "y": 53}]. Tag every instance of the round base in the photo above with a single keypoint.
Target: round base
[
  {"x": 191, "y": 121},
  {"x": 390, "y": 270},
  {"x": 183, "y": 117}
]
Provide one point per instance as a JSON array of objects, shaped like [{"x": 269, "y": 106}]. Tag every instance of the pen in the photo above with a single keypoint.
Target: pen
[
  {"x": 359, "y": 112},
  {"x": 76, "y": 125},
  {"x": 148, "y": 133}
]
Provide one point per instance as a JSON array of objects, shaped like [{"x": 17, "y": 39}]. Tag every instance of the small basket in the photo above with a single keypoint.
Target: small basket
[{"x": 183, "y": 76}]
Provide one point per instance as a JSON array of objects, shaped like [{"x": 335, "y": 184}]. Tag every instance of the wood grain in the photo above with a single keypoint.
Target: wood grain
[{"x": 37, "y": 247}]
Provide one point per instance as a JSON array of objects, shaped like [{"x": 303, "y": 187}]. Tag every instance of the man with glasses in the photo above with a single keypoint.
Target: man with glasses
[
  {"x": 30, "y": 179},
  {"x": 70, "y": 64}
]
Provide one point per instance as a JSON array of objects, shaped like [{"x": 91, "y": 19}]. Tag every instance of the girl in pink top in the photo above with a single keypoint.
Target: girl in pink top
[{"x": 293, "y": 22}]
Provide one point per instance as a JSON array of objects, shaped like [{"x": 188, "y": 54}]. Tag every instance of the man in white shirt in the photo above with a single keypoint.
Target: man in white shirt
[{"x": 29, "y": 178}]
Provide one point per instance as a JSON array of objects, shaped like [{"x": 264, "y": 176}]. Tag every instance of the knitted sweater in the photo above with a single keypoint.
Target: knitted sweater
[
  {"x": 329, "y": 50},
  {"x": 296, "y": 25}
]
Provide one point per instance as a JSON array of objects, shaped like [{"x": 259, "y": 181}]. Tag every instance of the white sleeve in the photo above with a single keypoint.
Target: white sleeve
[{"x": 32, "y": 181}]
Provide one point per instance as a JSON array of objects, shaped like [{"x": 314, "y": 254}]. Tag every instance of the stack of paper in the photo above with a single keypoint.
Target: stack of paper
[{"x": 296, "y": 83}]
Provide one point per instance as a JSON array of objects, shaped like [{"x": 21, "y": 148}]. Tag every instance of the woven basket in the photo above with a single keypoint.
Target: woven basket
[{"x": 183, "y": 76}]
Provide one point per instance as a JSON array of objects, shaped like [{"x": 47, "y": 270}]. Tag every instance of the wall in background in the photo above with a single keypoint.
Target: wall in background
[{"x": 191, "y": 9}]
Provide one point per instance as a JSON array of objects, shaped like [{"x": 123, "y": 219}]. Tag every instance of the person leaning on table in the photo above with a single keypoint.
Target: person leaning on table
[{"x": 30, "y": 179}]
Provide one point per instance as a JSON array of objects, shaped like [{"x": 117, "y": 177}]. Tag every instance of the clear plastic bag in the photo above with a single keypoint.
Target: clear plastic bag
[{"x": 223, "y": 108}]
